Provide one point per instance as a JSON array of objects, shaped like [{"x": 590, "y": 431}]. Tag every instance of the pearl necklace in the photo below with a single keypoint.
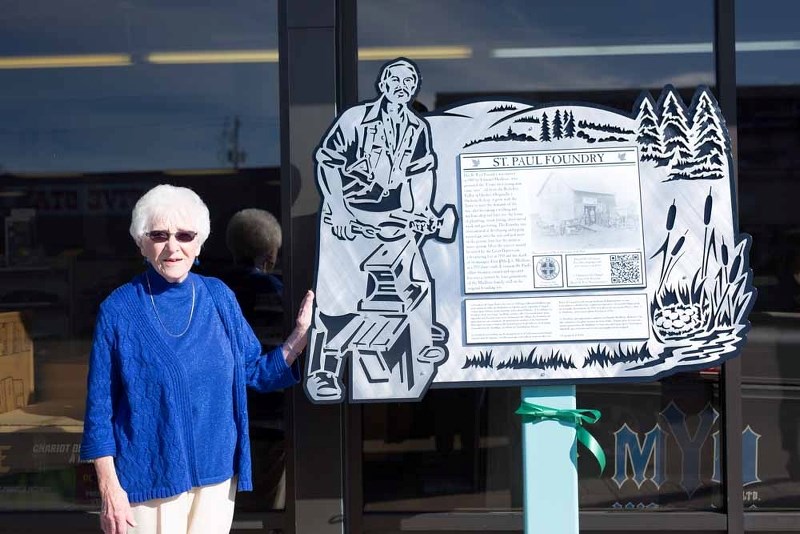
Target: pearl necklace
[{"x": 153, "y": 302}]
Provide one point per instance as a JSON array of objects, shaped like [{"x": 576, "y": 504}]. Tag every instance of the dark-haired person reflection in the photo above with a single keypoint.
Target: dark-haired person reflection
[
  {"x": 254, "y": 239},
  {"x": 166, "y": 420}
]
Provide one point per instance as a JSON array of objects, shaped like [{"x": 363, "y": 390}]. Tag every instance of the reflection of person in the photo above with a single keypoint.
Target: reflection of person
[
  {"x": 375, "y": 164},
  {"x": 166, "y": 411},
  {"x": 254, "y": 240}
]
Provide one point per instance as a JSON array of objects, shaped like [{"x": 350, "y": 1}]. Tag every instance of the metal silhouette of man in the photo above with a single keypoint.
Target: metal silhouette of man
[{"x": 376, "y": 173}]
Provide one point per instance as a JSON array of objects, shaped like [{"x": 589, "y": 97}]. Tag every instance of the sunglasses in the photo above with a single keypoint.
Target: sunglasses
[{"x": 162, "y": 236}]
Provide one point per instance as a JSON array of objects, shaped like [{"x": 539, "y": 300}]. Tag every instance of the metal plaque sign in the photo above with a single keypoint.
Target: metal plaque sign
[{"x": 513, "y": 243}]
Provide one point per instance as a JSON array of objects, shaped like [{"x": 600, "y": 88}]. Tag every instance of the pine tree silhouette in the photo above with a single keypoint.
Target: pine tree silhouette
[
  {"x": 675, "y": 129},
  {"x": 651, "y": 144},
  {"x": 545, "y": 128},
  {"x": 569, "y": 127},
  {"x": 557, "y": 128},
  {"x": 709, "y": 147}
]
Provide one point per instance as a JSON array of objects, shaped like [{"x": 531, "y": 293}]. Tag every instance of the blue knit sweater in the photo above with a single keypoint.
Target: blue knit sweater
[{"x": 168, "y": 423}]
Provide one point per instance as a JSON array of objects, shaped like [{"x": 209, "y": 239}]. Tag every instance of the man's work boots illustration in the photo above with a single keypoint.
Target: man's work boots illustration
[
  {"x": 324, "y": 386},
  {"x": 437, "y": 352}
]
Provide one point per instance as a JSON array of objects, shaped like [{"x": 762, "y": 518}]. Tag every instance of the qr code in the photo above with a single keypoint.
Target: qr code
[{"x": 626, "y": 269}]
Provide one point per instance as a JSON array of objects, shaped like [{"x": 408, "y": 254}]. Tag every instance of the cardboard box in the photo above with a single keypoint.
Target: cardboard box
[{"x": 16, "y": 363}]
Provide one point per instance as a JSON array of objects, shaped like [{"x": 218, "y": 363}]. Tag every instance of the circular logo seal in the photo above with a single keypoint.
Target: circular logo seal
[{"x": 547, "y": 268}]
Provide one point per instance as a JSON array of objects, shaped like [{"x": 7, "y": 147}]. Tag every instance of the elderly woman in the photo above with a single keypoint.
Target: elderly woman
[{"x": 166, "y": 409}]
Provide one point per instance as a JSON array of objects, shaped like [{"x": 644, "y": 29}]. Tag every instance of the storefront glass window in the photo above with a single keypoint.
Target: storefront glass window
[
  {"x": 768, "y": 51},
  {"x": 460, "y": 449},
  {"x": 100, "y": 102}
]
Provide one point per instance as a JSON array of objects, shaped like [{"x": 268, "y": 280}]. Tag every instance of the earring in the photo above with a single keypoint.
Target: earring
[{"x": 197, "y": 261}]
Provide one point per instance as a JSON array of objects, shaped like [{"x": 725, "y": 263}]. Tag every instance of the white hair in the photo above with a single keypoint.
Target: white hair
[{"x": 166, "y": 203}]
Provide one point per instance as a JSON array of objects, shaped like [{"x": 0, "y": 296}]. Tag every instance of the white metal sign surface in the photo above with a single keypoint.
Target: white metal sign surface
[{"x": 500, "y": 243}]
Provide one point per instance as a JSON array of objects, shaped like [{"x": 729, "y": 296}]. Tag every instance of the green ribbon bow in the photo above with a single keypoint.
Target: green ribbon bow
[{"x": 534, "y": 413}]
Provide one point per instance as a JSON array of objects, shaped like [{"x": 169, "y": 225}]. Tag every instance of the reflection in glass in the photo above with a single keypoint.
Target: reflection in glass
[
  {"x": 92, "y": 115},
  {"x": 461, "y": 449},
  {"x": 139, "y": 86},
  {"x": 768, "y": 112},
  {"x": 511, "y": 47},
  {"x": 662, "y": 444}
]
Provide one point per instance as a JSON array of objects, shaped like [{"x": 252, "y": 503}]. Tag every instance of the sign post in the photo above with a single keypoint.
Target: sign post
[{"x": 550, "y": 464}]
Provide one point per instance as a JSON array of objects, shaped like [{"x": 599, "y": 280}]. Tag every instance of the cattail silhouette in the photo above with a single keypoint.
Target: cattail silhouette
[
  {"x": 672, "y": 261},
  {"x": 670, "y": 224},
  {"x": 678, "y": 246},
  {"x": 709, "y": 206},
  {"x": 737, "y": 261},
  {"x": 673, "y": 210},
  {"x": 724, "y": 254}
]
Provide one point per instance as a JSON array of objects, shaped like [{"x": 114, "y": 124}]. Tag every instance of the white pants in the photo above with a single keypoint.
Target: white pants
[{"x": 203, "y": 510}]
